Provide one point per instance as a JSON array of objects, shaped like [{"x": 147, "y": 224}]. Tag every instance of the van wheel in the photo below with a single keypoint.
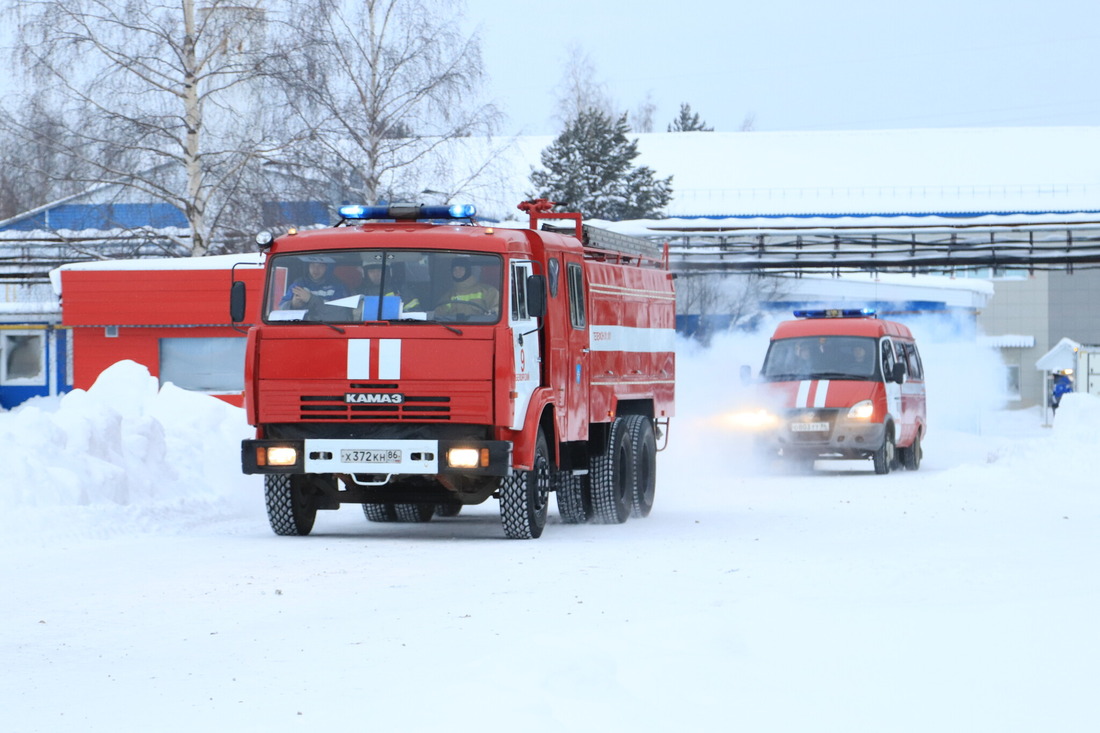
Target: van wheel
[
  {"x": 612, "y": 477},
  {"x": 886, "y": 455},
  {"x": 911, "y": 456}
]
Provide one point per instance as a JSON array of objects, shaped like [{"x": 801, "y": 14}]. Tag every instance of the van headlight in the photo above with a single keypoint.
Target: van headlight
[
  {"x": 760, "y": 419},
  {"x": 862, "y": 410}
]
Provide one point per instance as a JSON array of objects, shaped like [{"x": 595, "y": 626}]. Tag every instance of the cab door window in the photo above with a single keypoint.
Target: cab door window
[
  {"x": 888, "y": 359},
  {"x": 518, "y": 288},
  {"x": 576, "y": 295}
]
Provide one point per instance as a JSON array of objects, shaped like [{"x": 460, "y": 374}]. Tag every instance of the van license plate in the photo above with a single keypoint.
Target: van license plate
[
  {"x": 809, "y": 427},
  {"x": 351, "y": 455}
]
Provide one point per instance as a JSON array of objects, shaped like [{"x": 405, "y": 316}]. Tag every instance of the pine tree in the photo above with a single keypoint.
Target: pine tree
[
  {"x": 588, "y": 169},
  {"x": 688, "y": 122}
]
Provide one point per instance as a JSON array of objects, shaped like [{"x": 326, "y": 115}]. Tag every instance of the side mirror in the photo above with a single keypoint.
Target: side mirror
[
  {"x": 898, "y": 375},
  {"x": 746, "y": 374},
  {"x": 237, "y": 301},
  {"x": 536, "y": 296}
]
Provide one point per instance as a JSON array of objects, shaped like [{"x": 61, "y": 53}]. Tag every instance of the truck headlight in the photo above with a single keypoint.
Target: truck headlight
[
  {"x": 468, "y": 457},
  {"x": 862, "y": 410},
  {"x": 278, "y": 455}
]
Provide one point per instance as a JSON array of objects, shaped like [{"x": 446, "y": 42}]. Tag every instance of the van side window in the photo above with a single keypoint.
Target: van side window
[
  {"x": 899, "y": 355},
  {"x": 912, "y": 356},
  {"x": 887, "y": 358}
]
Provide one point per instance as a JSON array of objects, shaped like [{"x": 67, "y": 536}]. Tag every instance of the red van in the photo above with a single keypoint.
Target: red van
[{"x": 844, "y": 384}]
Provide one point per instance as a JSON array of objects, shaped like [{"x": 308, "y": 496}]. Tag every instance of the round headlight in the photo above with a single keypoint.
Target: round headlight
[{"x": 862, "y": 410}]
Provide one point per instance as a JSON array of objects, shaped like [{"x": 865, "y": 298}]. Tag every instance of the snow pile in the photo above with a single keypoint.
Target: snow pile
[{"x": 127, "y": 449}]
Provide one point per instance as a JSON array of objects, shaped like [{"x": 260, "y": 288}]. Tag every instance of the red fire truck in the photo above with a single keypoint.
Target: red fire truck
[{"x": 414, "y": 363}]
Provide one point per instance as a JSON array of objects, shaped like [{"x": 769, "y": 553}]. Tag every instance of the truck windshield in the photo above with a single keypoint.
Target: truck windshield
[
  {"x": 355, "y": 286},
  {"x": 821, "y": 357}
]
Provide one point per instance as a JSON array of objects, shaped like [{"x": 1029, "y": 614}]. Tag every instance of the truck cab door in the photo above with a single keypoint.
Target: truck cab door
[
  {"x": 525, "y": 341},
  {"x": 577, "y": 356}
]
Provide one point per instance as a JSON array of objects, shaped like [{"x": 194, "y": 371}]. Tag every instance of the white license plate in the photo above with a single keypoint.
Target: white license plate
[
  {"x": 809, "y": 427},
  {"x": 353, "y": 455}
]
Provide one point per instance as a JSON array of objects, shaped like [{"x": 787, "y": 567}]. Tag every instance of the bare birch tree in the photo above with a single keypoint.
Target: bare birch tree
[
  {"x": 153, "y": 96},
  {"x": 34, "y": 171},
  {"x": 578, "y": 91},
  {"x": 382, "y": 86}
]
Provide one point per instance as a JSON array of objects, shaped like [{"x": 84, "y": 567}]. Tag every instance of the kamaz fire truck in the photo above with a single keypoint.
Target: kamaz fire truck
[{"x": 413, "y": 362}]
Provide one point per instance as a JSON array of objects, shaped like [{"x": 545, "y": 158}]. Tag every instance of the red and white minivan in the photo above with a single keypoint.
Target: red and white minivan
[{"x": 844, "y": 384}]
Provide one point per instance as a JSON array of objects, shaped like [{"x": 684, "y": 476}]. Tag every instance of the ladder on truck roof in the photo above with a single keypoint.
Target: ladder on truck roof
[
  {"x": 600, "y": 242},
  {"x": 605, "y": 239}
]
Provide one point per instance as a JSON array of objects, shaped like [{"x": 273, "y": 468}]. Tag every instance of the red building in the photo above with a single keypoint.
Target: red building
[{"x": 172, "y": 315}]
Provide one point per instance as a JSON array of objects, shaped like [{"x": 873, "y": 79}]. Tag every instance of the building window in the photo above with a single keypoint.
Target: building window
[
  {"x": 214, "y": 365},
  {"x": 1012, "y": 381},
  {"x": 23, "y": 359}
]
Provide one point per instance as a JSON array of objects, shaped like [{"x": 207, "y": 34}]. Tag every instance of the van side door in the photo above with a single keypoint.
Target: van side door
[
  {"x": 893, "y": 389},
  {"x": 913, "y": 402}
]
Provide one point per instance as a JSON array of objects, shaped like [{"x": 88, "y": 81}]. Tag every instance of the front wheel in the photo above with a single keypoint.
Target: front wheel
[
  {"x": 525, "y": 497},
  {"x": 885, "y": 457},
  {"x": 291, "y": 510}
]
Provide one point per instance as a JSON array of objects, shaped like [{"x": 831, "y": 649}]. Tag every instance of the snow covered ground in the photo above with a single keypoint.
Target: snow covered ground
[{"x": 143, "y": 590}]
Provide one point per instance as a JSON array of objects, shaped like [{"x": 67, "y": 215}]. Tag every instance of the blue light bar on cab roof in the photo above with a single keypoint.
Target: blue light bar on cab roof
[
  {"x": 836, "y": 313},
  {"x": 407, "y": 211}
]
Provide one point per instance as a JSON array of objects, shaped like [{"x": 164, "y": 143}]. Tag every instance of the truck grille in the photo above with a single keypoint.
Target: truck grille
[{"x": 331, "y": 408}]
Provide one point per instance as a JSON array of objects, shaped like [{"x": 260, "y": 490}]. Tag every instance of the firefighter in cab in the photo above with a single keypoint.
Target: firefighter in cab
[{"x": 468, "y": 298}]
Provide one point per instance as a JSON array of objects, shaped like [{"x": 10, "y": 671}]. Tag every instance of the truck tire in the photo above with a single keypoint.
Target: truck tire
[
  {"x": 612, "y": 477},
  {"x": 448, "y": 510},
  {"x": 911, "y": 456},
  {"x": 643, "y": 445},
  {"x": 886, "y": 456},
  {"x": 574, "y": 498},
  {"x": 290, "y": 510},
  {"x": 525, "y": 497},
  {"x": 414, "y": 513},
  {"x": 379, "y": 512}
]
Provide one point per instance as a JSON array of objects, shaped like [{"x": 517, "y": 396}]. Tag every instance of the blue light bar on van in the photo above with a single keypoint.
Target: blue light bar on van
[
  {"x": 407, "y": 211},
  {"x": 836, "y": 313}
]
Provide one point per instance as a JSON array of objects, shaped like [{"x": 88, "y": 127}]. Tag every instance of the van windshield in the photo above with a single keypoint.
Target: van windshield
[
  {"x": 354, "y": 286},
  {"x": 821, "y": 357}
]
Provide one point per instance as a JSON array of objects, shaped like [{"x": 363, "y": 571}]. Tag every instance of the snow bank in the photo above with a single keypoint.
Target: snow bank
[
  {"x": 125, "y": 451},
  {"x": 129, "y": 456}
]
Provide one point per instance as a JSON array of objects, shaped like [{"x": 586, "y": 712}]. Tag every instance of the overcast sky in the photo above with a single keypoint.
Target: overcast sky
[{"x": 803, "y": 64}]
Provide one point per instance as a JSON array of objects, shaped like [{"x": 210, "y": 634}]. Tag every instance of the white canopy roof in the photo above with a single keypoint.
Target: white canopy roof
[{"x": 1062, "y": 356}]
